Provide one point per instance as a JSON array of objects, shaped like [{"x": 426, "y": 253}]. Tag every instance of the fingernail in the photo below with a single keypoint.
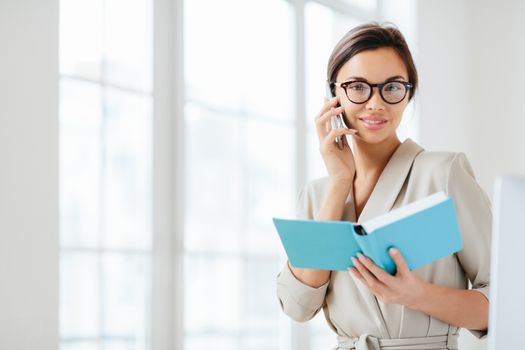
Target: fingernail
[
  {"x": 393, "y": 250},
  {"x": 354, "y": 260},
  {"x": 361, "y": 256}
]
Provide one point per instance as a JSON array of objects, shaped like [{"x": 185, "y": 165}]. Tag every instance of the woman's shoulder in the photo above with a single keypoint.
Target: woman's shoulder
[
  {"x": 440, "y": 161},
  {"x": 434, "y": 158},
  {"x": 439, "y": 166}
]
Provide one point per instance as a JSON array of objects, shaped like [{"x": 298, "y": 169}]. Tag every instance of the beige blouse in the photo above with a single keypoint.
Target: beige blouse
[{"x": 360, "y": 320}]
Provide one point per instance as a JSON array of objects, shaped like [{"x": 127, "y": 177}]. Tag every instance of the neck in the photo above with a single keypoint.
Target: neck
[{"x": 371, "y": 159}]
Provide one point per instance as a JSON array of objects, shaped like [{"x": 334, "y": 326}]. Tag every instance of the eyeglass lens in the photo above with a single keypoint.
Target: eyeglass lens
[{"x": 359, "y": 92}]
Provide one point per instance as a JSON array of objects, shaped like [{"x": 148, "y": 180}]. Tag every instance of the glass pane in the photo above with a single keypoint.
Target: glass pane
[
  {"x": 130, "y": 344},
  {"x": 238, "y": 180},
  {"x": 239, "y": 170},
  {"x": 80, "y": 163},
  {"x": 314, "y": 162},
  {"x": 129, "y": 43},
  {"x": 127, "y": 170},
  {"x": 228, "y": 67},
  {"x": 79, "y": 345},
  {"x": 126, "y": 295},
  {"x": 208, "y": 280},
  {"x": 215, "y": 342},
  {"x": 268, "y": 190},
  {"x": 367, "y": 5},
  {"x": 79, "y": 296},
  {"x": 260, "y": 306},
  {"x": 81, "y": 38},
  {"x": 259, "y": 342},
  {"x": 214, "y": 190},
  {"x": 248, "y": 309}
]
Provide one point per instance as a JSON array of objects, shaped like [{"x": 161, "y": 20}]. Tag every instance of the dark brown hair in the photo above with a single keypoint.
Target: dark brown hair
[{"x": 368, "y": 37}]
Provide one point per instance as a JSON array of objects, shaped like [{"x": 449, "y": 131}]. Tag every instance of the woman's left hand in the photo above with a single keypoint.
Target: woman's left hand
[{"x": 405, "y": 288}]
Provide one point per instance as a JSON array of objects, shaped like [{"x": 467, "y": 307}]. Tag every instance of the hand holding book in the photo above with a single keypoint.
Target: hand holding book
[
  {"x": 405, "y": 288},
  {"x": 424, "y": 231}
]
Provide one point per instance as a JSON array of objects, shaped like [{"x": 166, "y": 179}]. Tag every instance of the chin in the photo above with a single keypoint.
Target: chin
[{"x": 375, "y": 137}]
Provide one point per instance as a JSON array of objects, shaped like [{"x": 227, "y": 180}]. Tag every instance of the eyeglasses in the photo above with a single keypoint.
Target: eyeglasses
[{"x": 359, "y": 92}]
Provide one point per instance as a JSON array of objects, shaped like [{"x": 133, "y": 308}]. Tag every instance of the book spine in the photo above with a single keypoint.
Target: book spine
[
  {"x": 362, "y": 238},
  {"x": 368, "y": 244}
]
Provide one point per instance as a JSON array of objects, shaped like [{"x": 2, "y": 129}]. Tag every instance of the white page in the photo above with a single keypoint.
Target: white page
[{"x": 404, "y": 211}]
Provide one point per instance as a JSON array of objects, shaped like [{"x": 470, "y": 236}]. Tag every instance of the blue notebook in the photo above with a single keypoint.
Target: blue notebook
[{"x": 423, "y": 231}]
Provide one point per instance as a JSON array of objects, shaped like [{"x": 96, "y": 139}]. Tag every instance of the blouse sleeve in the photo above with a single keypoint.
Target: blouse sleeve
[
  {"x": 298, "y": 300},
  {"x": 474, "y": 214}
]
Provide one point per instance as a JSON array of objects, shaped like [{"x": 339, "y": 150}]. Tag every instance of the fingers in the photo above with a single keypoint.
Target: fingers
[
  {"x": 322, "y": 122},
  {"x": 323, "y": 118},
  {"x": 328, "y": 106},
  {"x": 400, "y": 262},
  {"x": 378, "y": 272},
  {"x": 367, "y": 277},
  {"x": 328, "y": 103},
  {"x": 325, "y": 111},
  {"x": 328, "y": 142}
]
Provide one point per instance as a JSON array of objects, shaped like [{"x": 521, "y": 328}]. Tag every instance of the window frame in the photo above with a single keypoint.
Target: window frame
[
  {"x": 167, "y": 328},
  {"x": 99, "y": 251}
]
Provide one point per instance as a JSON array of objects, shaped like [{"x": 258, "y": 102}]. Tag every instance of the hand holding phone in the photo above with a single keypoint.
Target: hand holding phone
[
  {"x": 336, "y": 121},
  {"x": 339, "y": 160}
]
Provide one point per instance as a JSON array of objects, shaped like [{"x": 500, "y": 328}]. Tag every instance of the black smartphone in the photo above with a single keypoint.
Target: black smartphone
[{"x": 336, "y": 121}]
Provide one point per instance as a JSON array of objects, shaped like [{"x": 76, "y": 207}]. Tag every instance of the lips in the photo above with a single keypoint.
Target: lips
[
  {"x": 373, "y": 119},
  {"x": 373, "y": 122}
]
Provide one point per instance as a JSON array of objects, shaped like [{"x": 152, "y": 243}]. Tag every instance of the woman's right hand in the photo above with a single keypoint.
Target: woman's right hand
[{"x": 339, "y": 163}]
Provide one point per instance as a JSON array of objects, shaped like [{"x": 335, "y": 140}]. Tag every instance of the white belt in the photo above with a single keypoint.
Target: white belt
[{"x": 369, "y": 342}]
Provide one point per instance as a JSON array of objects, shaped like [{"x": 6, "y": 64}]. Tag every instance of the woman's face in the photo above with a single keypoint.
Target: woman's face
[{"x": 373, "y": 66}]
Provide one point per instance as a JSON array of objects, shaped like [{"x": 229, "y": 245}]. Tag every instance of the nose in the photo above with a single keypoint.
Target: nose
[{"x": 375, "y": 102}]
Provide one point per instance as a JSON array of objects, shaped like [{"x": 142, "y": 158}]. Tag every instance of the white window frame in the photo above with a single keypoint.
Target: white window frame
[{"x": 167, "y": 330}]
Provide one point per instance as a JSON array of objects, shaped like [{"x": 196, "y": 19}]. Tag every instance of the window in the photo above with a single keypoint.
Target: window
[
  {"x": 105, "y": 173},
  {"x": 239, "y": 96}
]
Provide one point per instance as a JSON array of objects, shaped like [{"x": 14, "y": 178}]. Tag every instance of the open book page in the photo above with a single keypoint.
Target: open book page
[{"x": 404, "y": 211}]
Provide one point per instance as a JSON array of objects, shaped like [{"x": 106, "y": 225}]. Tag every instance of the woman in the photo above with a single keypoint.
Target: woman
[{"x": 373, "y": 76}]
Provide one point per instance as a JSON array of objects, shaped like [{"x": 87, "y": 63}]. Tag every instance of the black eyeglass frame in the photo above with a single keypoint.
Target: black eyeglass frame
[{"x": 344, "y": 84}]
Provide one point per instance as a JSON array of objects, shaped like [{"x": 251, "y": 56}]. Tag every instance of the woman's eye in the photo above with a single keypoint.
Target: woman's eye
[
  {"x": 392, "y": 87},
  {"x": 357, "y": 87}
]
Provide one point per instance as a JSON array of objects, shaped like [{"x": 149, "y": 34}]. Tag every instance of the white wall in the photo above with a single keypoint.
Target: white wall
[
  {"x": 443, "y": 55},
  {"x": 28, "y": 174},
  {"x": 497, "y": 76},
  {"x": 471, "y": 58}
]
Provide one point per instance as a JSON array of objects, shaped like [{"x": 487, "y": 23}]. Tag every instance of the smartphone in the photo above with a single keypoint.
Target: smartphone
[{"x": 336, "y": 121}]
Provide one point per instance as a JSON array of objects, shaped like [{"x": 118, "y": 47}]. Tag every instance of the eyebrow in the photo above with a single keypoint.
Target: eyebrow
[{"x": 395, "y": 77}]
